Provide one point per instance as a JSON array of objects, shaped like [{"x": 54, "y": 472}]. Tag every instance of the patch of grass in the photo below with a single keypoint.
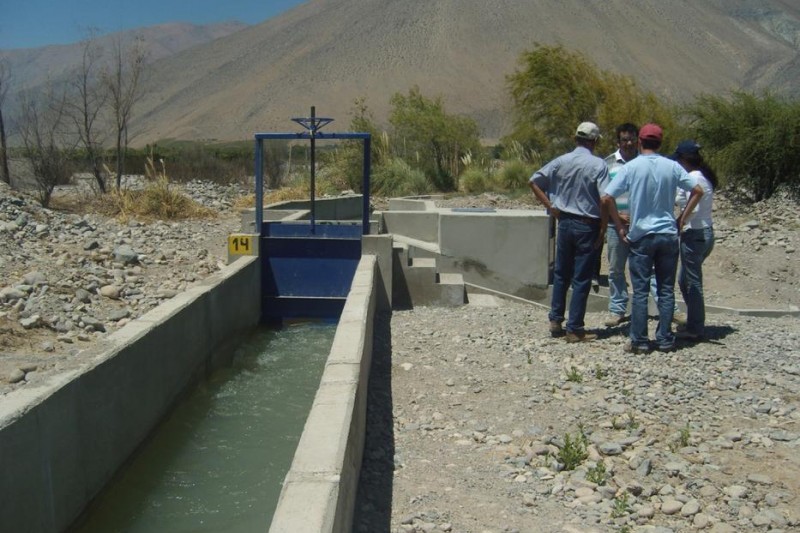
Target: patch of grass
[
  {"x": 600, "y": 373},
  {"x": 574, "y": 375},
  {"x": 683, "y": 436},
  {"x": 620, "y": 507},
  {"x": 597, "y": 474}
]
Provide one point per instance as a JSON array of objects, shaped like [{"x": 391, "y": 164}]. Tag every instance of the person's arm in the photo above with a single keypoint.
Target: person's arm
[
  {"x": 603, "y": 225},
  {"x": 696, "y": 193},
  {"x": 610, "y": 207},
  {"x": 603, "y": 180},
  {"x": 543, "y": 199}
]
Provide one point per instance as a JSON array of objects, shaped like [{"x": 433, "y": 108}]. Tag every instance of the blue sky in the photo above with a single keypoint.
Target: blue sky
[{"x": 34, "y": 23}]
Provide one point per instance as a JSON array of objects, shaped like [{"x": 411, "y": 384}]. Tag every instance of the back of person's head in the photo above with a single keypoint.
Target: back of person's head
[
  {"x": 650, "y": 135},
  {"x": 688, "y": 154}
]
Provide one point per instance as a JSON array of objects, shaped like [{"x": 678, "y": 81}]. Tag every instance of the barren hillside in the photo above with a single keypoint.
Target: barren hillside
[
  {"x": 31, "y": 67},
  {"x": 224, "y": 82},
  {"x": 329, "y": 52}
]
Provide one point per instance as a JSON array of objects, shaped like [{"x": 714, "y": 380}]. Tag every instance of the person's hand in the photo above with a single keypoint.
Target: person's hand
[
  {"x": 622, "y": 231},
  {"x": 626, "y": 219},
  {"x": 555, "y": 212}
]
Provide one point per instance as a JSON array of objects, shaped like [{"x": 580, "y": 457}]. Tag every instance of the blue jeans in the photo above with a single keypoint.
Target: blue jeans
[
  {"x": 656, "y": 252},
  {"x": 575, "y": 264},
  {"x": 617, "y": 281},
  {"x": 696, "y": 245}
]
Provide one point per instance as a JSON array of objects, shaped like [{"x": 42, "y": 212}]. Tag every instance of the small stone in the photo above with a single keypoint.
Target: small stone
[
  {"x": 16, "y": 376},
  {"x": 737, "y": 492},
  {"x": 759, "y": 479},
  {"x": 722, "y": 527},
  {"x": 671, "y": 507},
  {"x": 690, "y": 508},
  {"x": 610, "y": 448},
  {"x": 701, "y": 521},
  {"x": 646, "y": 511},
  {"x": 110, "y": 291}
]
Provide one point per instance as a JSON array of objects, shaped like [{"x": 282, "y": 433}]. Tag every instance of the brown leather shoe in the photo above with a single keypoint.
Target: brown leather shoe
[
  {"x": 555, "y": 329},
  {"x": 580, "y": 336},
  {"x": 615, "y": 320}
]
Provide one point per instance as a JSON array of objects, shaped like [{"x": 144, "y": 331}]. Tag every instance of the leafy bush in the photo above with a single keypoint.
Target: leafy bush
[
  {"x": 555, "y": 89},
  {"x": 397, "y": 178},
  {"x": 514, "y": 175},
  {"x": 430, "y": 139},
  {"x": 752, "y": 141},
  {"x": 474, "y": 180}
]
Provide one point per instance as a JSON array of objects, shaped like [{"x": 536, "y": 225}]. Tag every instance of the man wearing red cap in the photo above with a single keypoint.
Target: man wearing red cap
[{"x": 651, "y": 182}]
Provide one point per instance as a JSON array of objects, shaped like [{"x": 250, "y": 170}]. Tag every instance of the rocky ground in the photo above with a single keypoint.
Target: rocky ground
[
  {"x": 472, "y": 407},
  {"x": 481, "y": 422},
  {"x": 68, "y": 278}
]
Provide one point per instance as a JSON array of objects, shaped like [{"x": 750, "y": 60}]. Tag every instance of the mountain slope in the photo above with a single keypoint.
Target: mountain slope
[
  {"x": 31, "y": 67},
  {"x": 328, "y": 52}
]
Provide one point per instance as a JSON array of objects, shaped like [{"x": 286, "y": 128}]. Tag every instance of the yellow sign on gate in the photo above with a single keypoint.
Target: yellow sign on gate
[{"x": 242, "y": 244}]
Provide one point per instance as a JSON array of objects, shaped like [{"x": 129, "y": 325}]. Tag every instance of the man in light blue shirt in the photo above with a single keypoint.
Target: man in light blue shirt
[
  {"x": 652, "y": 236},
  {"x": 568, "y": 186}
]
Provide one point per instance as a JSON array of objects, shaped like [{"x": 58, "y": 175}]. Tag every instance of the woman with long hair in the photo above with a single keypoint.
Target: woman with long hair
[{"x": 697, "y": 238}]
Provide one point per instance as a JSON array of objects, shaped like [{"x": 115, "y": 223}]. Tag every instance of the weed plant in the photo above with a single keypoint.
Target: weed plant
[
  {"x": 573, "y": 453},
  {"x": 620, "y": 507},
  {"x": 574, "y": 375},
  {"x": 597, "y": 474}
]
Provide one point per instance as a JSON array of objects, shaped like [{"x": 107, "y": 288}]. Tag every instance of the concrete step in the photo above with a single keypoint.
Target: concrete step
[{"x": 451, "y": 289}]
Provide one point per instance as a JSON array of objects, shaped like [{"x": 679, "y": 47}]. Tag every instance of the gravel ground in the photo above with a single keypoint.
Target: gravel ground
[
  {"x": 471, "y": 408},
  {"x": 480, "y": 422}
]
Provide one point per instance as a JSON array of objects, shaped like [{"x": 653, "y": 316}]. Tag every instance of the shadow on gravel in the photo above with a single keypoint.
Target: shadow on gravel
[
  {"x": 715, "y": 334},
  {"x": 373, "y": 508}
]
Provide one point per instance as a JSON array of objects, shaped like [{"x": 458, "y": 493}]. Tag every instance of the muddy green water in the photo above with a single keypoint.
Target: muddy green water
[{"x": 218, "y": 462}]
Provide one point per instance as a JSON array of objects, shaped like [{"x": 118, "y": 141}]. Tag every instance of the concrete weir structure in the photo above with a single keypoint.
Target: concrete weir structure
[{"x": 61, "y": 441}]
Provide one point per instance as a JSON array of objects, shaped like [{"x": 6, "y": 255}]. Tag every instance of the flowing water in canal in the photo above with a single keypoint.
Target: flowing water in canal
[{"x": 218, "y": 461}]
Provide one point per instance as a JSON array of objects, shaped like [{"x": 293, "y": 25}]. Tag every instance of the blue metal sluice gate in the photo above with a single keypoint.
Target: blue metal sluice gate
[{"x": 307, "y": 267}]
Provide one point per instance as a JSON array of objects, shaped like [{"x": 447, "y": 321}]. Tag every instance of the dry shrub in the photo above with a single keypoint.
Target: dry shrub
[{"x": 158, "y": 200}]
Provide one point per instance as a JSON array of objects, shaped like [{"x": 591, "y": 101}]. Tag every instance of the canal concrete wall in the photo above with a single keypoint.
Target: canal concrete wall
[
  {"x": 319, "y": 491},
  {"x": 62, "y": 441}
]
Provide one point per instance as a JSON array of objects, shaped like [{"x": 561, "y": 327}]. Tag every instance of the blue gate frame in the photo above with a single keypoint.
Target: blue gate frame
[{"x": 306, "y": 271}]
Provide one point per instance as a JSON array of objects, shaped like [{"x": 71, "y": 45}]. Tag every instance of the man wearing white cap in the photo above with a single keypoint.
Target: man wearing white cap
[{"x": 568, "y": 186}]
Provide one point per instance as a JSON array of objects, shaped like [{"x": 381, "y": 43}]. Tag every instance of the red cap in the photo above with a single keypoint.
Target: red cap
[{"x": 651, "y": 132}]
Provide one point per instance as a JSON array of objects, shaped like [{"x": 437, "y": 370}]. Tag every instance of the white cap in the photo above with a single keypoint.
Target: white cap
[{"x": 588, "y": 130}]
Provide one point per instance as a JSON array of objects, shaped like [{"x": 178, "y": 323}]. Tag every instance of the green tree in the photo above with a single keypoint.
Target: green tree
[
  {"x": 349, "y": 156},
  {"x": 555, "y": 89},
  {"x": 429, "y": 139},
  {"x": 552, "y": 92},
  {"x": 754, "y": 141}
]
